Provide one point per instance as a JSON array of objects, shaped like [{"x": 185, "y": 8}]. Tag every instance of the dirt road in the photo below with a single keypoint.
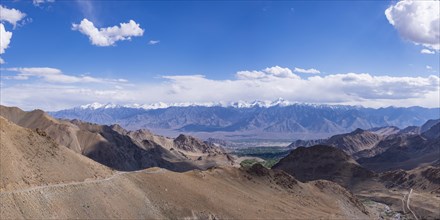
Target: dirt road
[{"x": 87, "y": 181}]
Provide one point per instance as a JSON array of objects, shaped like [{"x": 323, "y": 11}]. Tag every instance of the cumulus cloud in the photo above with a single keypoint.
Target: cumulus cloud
[
  {"x": 270, "y": 72},
  {"x": 417, "y": 21},
  {"x": 426, "y": 51},
  {"x": 5, "y": 38},
  {"x": 153, "y": 42},
  {"x": 53, "y": 75},
  {"x": 329, "y": 89},
  {"x": 280, "y": 72},
  {"x": 347, "y": 88},
  {"x": 310, "y": 71},
  {"x": 110, "y": 35},
  {"x": 11, "y": 15}
]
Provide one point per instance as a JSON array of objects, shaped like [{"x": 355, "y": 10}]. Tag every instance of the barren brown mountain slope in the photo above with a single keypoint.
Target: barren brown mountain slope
[
  {"x": 406, "y": 151},
  {"x": 355, "y": 141},
  {"x": 323, "y": 162},
  {"x": 426, "y": 178},
  {"x": 63, "y": 132},
  {"x": 157, "y": 193},
  {"x": 30, "y": 158},
  {"x": 115, "y": 147},
  {"x": 43, "y": 180}
]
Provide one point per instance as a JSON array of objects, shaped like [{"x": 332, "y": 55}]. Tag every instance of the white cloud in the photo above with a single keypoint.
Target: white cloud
[
  {"x": 11, "y": 15},
  {"x": 110, "y": 35},
  {"x": 38, "y": 2},
  {"x": 153, "y": 42},
  {"x": 348, "y": 88},
  {"x": 50, "y": 97},
  {"x": 310, "y": 71},
  {"x": 428, "y": 67},
  {"x": 53, "y": 75},
  {"x": 280, "y": 72},
  {"x": 250, "y": 75},
  {"x": 5, "y": 38},
  {"x": 417, "y": 21},
  {"x": 270, "y": 72},
  {"x": 426, "y": 51}
]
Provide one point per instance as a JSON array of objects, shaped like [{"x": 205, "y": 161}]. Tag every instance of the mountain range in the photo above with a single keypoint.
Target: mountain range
[
  {"x": 392, "y": 187},
  {"x": 76, "y": 169},
  {"x": 120, "y": 149},
  {"x": 259, "y": 120},
  {"x": 59, "y": 169},
  {"x": 386, "y": 148}
]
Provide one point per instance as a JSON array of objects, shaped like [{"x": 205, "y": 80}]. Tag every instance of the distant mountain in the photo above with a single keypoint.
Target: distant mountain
[
  {"x": 369, "y": 143},
  {"x": 323, "y": 162},
  {"x": 120, "y": 149},
  {"x": 433, "y": 132},
  {"x": 404, "y": 151},
  {"x": 329, "y": 163},
  {"x": 428, "y": 125},
  {"x": 41, "y": 179},
  {"x": 355, "y": 141},
  {"x": 306, "y": 143},
  {"x": 258, "y": 120},
  {"x": 385, "y": 131}
]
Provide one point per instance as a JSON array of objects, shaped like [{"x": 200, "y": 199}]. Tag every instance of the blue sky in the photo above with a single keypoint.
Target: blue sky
[{"x": 211, "y": 42}]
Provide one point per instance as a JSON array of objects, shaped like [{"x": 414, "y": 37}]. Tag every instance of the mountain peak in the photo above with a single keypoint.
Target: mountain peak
[
  {"x": 97, "y": 105},
  {"x": 358, "y": 131},
  {"x": 94, "y": 105},
  {"x": 281, "y": 102}
]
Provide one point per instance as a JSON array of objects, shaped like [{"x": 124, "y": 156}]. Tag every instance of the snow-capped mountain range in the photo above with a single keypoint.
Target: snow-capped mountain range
[
  {"x": 240, "y": 104},
  {"x": 279, "y": 119}
]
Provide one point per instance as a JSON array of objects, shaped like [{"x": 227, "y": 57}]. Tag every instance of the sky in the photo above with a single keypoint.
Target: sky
[{"x": 59, "y": 54}]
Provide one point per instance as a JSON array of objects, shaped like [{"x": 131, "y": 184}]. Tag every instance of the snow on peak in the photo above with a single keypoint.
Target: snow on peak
[
  {"x": 94, "y": 105},
  {"x": 239, "y": 104},
  {"x": 97, "y": 105}
]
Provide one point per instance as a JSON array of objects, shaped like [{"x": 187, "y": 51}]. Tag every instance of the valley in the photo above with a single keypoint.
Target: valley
[
  {"x": 157, "y": 173},
  {"x": 274, "y": 121},
  {"x": 209, "y": 110}
]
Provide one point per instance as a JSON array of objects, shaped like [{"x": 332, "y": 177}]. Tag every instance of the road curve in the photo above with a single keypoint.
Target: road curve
[
  {"x": 407, "y": 205},
  {"x": 403, "y": 203}
]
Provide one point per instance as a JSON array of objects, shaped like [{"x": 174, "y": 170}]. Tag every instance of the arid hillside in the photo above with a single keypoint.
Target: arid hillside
[
  {"x": 41, "y": 179},
  {"x": 30, "y": 158},
  {"x": 418, "y": 188},
  {"x": 323, "y": 162},
  {"x": 120, "y": 149}
]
